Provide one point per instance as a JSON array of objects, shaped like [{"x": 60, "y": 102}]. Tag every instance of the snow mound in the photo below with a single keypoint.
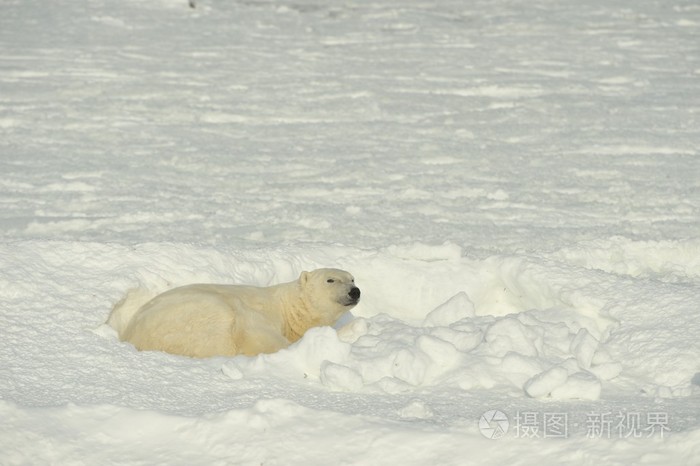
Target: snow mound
[{"x": 452, "y": 346}]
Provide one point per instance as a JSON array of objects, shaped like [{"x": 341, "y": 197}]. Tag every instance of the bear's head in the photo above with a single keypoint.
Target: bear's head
[{"x": 329, "y": 293}]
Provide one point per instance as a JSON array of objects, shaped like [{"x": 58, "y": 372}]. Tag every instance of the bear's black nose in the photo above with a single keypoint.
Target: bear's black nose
[{"x": 355, "y": 293}]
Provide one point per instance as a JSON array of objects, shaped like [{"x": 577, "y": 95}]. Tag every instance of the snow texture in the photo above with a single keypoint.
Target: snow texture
[{"x": 515, "y": 186}]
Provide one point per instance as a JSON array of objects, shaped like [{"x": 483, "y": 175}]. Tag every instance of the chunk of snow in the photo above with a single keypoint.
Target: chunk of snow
[
  {"x": 454, "y": 309},
  {"x": 544, "y": 383},
  {"x": 583, "y": 347},
  {"x": 581, "y": 386}
]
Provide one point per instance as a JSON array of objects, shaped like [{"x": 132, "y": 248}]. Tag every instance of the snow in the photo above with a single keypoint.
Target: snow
[{"x": 514, "y": 185}]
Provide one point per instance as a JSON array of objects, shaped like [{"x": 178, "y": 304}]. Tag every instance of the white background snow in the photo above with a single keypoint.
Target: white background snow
[{"x": 514, "y": 184}]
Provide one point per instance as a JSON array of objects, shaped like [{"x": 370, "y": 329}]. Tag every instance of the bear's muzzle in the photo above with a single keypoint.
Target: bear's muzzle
[{"x": 354, "y": 296}]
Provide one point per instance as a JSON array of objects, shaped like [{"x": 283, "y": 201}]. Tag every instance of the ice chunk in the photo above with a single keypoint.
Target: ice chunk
[
  {"x": 350, "y": 332},
  {"x": 509, "y": 334},
  {"x": 601, "y": 356},
  {"x": 462, "y": 340},
  {"x": 410, "y": 366},
  {"x": 607, "y": 371},
  {"x": 440, "y": 352},
  {"x": 344, "y": 319},
  {"x": 340, "y": 378},
  {"x": 416, "y": 409},
  {"x": 544, "y": 383},
  {"x": 454, "y": 309},
  {"x": 319, "y": 344},
  {"x": 581, "y": 386},
  {"x": 393, "y": 386},
  {"x": 583, "y": 347},
  {"x": 105, "y": 331},
  {"x": 518, "y": 368},
  {"x": 232, "y": 370}
]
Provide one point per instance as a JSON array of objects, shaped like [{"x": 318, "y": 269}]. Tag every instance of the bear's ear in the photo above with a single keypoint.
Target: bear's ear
[{"x": 303, "y": 278}]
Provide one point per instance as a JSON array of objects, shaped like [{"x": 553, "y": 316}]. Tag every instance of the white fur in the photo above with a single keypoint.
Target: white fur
[{"x": 206, "y": 320}]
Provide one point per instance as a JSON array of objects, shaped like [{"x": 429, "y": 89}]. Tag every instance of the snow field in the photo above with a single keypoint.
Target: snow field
[
  {"x": 388, "y": 359},
  {"x": 245, "y": 437},
  {"x": 514, "y": 185}
]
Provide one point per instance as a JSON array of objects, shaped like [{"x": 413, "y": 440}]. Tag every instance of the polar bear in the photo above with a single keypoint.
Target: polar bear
[{"x": 205, "y": 320}]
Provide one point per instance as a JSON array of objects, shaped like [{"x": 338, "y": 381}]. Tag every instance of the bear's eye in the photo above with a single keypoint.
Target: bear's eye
[{"x": 330, "y": 280}]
